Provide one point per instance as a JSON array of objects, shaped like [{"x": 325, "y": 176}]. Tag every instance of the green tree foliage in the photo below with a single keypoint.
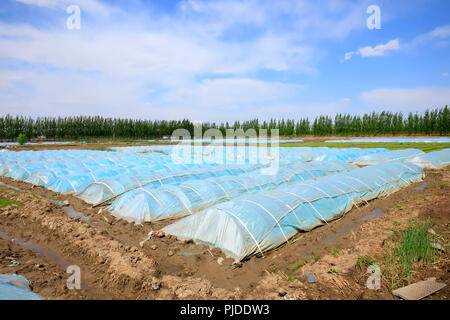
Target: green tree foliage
[
  {"x": 431, "y": 122},
  {"x": 22, "y": 139}
]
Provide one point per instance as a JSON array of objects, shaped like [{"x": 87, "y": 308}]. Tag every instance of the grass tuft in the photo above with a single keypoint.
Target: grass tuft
[
  {"x": 334, "y": 271},
  {"x": 408, "y": 248},
  {"x": 365, "y": 261},
  {"x": 335, "y": 252},
  {"x": 4, "y": 202},
  {"x": 297, "y": 266}
]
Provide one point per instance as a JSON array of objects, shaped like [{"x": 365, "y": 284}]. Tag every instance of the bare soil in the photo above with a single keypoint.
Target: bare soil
[{"x": 114, "y": 265}]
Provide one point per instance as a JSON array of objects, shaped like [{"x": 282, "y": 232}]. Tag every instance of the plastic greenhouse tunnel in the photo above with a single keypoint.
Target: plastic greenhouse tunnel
[
  {"x": 396, "y": 155},
  {"x": 144, "y": 204},
  {"x": 433, "y": 160},
  {"x": 102, "y": 191},
  {"x": 256, "y": 223}
]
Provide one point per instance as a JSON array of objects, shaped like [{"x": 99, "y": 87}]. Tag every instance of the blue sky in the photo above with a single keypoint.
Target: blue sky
[{"x": 222, "y": 60}]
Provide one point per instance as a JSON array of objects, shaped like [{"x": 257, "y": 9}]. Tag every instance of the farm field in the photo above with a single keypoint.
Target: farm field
[
  {"x": 224, "y": 158},
  {"x": 308, "y": 141},
  {"x": 43, "y": 231}
]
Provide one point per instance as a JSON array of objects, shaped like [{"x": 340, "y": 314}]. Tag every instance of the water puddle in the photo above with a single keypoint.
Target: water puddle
[
  {"x": 191, "y": 251},
  {"x": 29, "y": 245},
  {"x": 345, "y": 229},
  {"x": 69, "y": 210},
  {"x": 20, "y": 190},
  {"x": 72, "y": 213},
  {"x": 169, "y": 268},
  {"x": 374, "y": 214},
  {"x": 422, "y": 186},
  {"x": 63, "y": 264}
]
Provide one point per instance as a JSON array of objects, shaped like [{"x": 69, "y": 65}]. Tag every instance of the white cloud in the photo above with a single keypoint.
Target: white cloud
[
  {"x": 304, "y": 110},
  {"x": 439, "y": 33},
  {"x": 437, "y": 37},
  {"x": 349, "y": 55},
  {"x": 41, "y": 3},
  {"x": 35, "y": 93},
  {"x": 229, "y": 97},
  {"x": 407, "y": 100},
  {"x": 327, "y": 19},
  {"x": 93, "y": 7},
  {"x": 377, "y": 51},
  {"x": 445, "y": 74},
  {"x": 157, "y": 65},
  {"x": 42, "y": 93}
]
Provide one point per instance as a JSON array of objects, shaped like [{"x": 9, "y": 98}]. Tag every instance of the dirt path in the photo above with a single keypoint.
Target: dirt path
[{"x": 115, "y": 266}]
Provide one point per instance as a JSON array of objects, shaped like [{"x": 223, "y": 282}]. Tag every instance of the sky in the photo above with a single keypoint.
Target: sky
[{"x": 222, "y": 60}]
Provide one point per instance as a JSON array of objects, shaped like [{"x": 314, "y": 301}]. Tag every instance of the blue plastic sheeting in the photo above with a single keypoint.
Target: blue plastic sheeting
[
  {"x": 70, "y": 171},
  {"x": 59, "y": 167},
  {"x": 433, "y": 160},
  {"x": 141, "y": 149},
  {"x": 14, "y": 143},
  {"x": 236, "y": 140},
  {"x": 325, "y": 153},
  {"x": 16, "y": 287},
  {"x": 232, "y": 154},
  {"x": 399, "y": 140},
  {"x": 256, "y": 223},
  {"x": 43, "y": 177},
  {"x": 109, "y": 188},
  {"x": 396, "y": 155},
  {"x": 77, "y": 183},
  {"x": 191, "y": 196}
]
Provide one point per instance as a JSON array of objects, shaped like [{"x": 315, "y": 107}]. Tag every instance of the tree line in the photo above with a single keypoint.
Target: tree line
[{"x": 431, "y": 122}]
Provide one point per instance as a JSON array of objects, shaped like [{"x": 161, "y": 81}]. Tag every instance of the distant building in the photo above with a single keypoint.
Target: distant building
[{"x": 166, "y": 137}]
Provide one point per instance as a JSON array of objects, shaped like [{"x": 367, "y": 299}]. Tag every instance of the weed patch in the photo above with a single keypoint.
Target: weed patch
[
  {"x": 4, "y": 202},
  {"x": 408, "y": 248}
]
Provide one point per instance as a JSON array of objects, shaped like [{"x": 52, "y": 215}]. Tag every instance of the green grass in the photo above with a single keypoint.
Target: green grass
[
  {"x": 334, "y": 252},
  {"x": 334, "y": 271},
  {"x": 397, "y": 205},
  {"x": 151, "y": 151},
  {"x": 408, "y": 248},
  {"x": 426, "y": 147},
  {"x": 103, "y": 148},
  {"x": 4, "y": 202},
  {"x": 297, "y": 266},
  {"x": 365, "y": 261},
  {"x": 290, "y": 278},
  {"x": 107, "y": 141}
]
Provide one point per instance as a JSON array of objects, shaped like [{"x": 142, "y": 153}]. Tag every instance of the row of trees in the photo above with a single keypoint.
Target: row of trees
[{"x": 431, "y": 122}]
